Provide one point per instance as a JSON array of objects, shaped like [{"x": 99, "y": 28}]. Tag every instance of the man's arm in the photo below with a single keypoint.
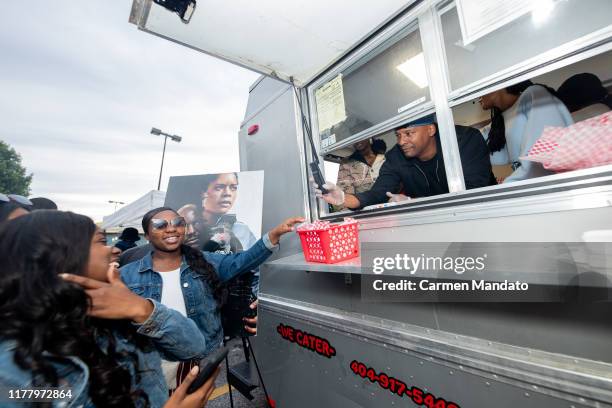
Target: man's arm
[
  {"x": 351, "y": 201},
  {"x": 388, "y": 181}
]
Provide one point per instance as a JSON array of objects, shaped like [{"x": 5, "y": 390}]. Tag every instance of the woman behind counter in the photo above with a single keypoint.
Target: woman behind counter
[
  {"x": 359, "y": 171},
  {"x": 519, "y": 114}
]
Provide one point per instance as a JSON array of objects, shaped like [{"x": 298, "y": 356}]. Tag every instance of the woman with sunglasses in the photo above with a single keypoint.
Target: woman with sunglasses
[
  {"x": 95, "y": 340},
  {"x": 189, "y": 280}
]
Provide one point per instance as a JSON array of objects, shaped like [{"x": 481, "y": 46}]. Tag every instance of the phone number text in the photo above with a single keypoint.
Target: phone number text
[{"x": 398, "y": 387}]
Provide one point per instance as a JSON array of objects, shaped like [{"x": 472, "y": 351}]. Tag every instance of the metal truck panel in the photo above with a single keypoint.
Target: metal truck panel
[
  {"x": 467, "y": 371},
  {"x": 278, "y": 145},
  {"x": 572, "y": 329},
  {"x": 297, "y": 39}
]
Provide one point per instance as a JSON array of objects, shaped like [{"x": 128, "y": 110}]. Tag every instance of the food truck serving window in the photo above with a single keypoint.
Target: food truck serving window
[
  {"x": 393, "y": 74},
  {"x": 509, "y": 91}
]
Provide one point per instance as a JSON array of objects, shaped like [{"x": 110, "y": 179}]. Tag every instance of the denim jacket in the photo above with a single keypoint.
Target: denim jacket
[
  {"x": 200, "y": 304},
  {"x": 172, "y": 337}
]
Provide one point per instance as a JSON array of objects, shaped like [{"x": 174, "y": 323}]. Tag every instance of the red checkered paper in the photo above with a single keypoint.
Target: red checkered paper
[{"x": 582, "y": 145}]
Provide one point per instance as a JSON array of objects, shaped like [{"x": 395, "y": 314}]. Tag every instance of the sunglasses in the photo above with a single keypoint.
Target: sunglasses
[{"x": 161, "y": 224}]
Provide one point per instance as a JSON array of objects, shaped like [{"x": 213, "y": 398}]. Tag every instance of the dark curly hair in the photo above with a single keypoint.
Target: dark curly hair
[
  {"x": 45, "y": 315},
  {"x": 193, "y": 257}
]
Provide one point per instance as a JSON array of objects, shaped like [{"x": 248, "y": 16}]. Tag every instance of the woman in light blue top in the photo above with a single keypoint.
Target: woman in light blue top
[{"x": 519, "y": 114}]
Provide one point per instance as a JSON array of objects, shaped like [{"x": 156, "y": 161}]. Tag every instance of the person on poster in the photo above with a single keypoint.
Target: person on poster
[
  {"x": 209, "y": 226},
  {"x": 219, "y": 230},
  {"x": 212, "y": 227}
]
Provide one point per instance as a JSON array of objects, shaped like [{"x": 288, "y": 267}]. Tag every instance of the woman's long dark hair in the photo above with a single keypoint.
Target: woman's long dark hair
[
  {"x": 193, "y": 257},
  {"x": 47, "y": 316},
  {"x": 6, "y": 209},
  {"x": 497, "y": 134}
]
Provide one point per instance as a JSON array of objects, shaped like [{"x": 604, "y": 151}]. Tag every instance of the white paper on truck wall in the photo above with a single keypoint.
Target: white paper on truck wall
[
  {"x": 330, "y": 103},
  {"x": 481, "y": 17}
]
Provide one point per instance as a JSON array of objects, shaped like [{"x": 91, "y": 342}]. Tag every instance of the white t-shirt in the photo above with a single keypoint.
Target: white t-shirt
[
  {"x": 172, "y": 294},
  {"x": 172, "y": 297}
]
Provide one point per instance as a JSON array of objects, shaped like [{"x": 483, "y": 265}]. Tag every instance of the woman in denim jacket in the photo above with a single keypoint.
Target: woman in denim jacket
[
  {"x": 188, "y": 279},
  {"x": 103, "y": 345}
]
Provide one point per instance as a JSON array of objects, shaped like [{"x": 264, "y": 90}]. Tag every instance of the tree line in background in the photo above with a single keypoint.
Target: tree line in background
[{"x": 13, "y": 176}]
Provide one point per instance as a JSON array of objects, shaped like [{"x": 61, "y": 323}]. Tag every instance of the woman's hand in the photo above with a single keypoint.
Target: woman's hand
[
  {"x": 283, "y": 228},
  {"x": 251, "y": 323},
  {"x": 112, "y": 299},
  {"x": 197, "y": 399}
]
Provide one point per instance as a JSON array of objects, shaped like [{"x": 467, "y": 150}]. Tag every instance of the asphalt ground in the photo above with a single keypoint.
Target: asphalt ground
[{"x": 220, "y": 397}]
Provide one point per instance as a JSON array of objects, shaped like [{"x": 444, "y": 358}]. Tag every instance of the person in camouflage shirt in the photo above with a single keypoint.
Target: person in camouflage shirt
[{"x": 358, "y": 172}]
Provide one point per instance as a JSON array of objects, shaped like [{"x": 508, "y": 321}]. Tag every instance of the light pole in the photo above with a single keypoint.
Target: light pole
[
  {"x": 115, "y": 202},
  {"x": 177, "y": 139}
]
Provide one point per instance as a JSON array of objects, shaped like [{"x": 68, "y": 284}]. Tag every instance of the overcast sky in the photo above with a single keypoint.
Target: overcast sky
[{"x": 80, "y": 89}]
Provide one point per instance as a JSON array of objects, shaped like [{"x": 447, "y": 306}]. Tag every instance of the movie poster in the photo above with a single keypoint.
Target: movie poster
[{"x": 223, "y": 211}]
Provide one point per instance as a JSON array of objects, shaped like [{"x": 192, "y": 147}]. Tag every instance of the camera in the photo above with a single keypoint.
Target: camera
[
  {"x": 184, "y": 8},
  {"x": 239, "y": 298}
]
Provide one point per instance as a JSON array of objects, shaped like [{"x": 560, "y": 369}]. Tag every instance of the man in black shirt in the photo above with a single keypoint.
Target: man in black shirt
[
  {"x": 414, "y": 167},
  {"x": 127, "y": 239}
]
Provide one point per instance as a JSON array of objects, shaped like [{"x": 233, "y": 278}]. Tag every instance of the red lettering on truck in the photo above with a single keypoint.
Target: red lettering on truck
[{"x": 306, "y": 340}]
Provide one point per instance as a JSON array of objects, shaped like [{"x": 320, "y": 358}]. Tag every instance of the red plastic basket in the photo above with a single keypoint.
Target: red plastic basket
[{"x": 334, "y": 244}]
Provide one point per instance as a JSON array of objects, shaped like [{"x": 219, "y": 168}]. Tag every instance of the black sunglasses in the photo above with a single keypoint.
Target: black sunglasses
[{"x": 160, "y": 224}]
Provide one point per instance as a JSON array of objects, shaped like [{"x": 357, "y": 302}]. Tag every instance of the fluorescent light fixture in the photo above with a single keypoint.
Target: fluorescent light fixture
[
  {"x": 414, "y": 70},
  {"x": 542, "y": 9}
]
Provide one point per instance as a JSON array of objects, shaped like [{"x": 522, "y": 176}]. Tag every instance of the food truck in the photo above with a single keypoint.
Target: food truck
[{"x": 338, "y": 72}]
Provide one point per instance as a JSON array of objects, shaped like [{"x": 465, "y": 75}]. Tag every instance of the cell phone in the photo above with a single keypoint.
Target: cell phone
[
  {"x": 318, "y": 177},
  {"x": 207, "y": 366}
]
